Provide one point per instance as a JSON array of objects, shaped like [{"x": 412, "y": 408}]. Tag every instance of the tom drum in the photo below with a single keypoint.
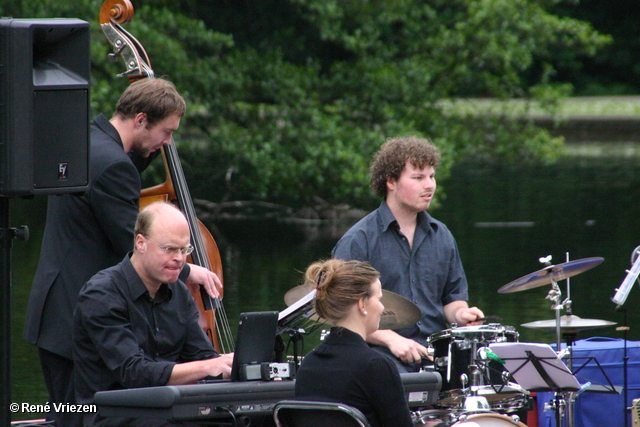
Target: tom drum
[{"x": 453, "y": 351}]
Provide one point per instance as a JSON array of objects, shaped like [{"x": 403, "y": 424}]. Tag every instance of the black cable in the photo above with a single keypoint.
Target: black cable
[{"x": 230, "y": 412}]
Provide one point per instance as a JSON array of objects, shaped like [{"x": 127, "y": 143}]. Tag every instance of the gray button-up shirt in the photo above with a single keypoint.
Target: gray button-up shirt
[{"x": 429, "y": 273}]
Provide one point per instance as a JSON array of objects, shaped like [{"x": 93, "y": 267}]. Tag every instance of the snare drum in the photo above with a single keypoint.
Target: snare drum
[
  {"x": 452, "y": 350},
  {"x": 504, "y": 398},
  {"x": 488, "y": 420}
]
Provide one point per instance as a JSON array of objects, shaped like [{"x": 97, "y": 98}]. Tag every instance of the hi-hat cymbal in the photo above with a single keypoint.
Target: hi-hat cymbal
[
  {"x": 552, "y": 273},
  {"x": 568, "y": 324},
  {"x": 398, "y": 312}
]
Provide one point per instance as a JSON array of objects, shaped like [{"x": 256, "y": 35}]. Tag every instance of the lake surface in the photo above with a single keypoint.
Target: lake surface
[{"x": 504, "y": 220}]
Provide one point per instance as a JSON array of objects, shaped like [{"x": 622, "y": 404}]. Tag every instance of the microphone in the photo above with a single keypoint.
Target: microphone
[{"x": 632, "y": 275}]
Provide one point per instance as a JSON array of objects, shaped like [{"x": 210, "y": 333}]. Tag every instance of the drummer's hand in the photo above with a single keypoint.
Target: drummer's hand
[
  {"x": 199, "y": 275},
  {"x": 468, "y": 316},
  {"x": 408, "y": 350}
]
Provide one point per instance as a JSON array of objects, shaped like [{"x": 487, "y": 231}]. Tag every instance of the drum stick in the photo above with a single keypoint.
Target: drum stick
[{"x": 489, "y": 319}]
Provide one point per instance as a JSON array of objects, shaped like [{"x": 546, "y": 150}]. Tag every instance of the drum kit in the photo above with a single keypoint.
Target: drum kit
[{"x": 477, "y": 389}]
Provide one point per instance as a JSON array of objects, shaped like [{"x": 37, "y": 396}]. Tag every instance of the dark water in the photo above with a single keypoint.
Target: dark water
[{"x": 504, "y": 219}]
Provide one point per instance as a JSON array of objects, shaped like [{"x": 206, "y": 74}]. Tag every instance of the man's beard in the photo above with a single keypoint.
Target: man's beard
[{"x": 138, "y": 147}]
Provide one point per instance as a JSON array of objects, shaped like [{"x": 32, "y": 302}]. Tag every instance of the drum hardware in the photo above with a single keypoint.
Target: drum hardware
[
  {"x": 473, "y": 369},
  {"x": 619, "y": 298},
  {"x": 470, "y": 382},
  {"x": 433, "y": 418},
  {"x": 511, "y": 398},
  {"x": 559, "y": 406},
  {"x": 475, "y": 403},
  {"x": 569, "y": 324}
]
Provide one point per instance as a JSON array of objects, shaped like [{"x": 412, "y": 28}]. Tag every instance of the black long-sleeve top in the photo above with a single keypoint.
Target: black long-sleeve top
[{"x": 344, "y": 369}]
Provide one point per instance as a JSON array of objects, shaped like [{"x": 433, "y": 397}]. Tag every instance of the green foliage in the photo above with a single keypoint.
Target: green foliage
[
  {"x": 615, "y": 70},
  {"x": 288, "y": 100}
]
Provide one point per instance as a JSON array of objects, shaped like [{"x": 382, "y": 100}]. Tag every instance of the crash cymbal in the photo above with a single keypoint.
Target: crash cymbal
[
  {"x": 398, "y": 312},
  {"x": 552, "y": 273},
  {"x": 569, "y": 323},
  {"x": 294, "y": 294}
]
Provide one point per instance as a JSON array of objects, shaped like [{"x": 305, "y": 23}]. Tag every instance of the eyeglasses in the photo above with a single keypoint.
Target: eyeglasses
[{"x": 185, "y": 250}]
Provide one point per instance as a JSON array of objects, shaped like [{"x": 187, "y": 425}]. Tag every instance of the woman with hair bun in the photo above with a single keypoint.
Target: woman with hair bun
[{"x": 343, "y": 368}]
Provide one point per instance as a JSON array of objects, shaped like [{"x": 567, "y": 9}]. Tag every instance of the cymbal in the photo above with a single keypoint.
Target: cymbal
[
  {"x": 551, "y": 273},
  {"x": 398, "y": 312},
  {"x": 569, "y": 323},
  {"x": 294, "y": 294}
]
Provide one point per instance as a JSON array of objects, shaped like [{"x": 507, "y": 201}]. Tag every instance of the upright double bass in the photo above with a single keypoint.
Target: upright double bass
[{"x": 213, "y": 319}]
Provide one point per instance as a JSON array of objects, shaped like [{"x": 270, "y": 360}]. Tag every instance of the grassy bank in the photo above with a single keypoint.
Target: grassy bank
[{"x": 621, "y": 106}]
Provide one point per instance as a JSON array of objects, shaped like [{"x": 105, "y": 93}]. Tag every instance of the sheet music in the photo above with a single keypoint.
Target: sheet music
[{"x": 518, "y": 363}]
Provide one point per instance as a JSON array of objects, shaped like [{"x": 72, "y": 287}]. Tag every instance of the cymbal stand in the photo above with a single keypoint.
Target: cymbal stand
[
  {"x": 570, "y": 396},
  {"x": 554, "y": 295},
  {"x": 567, "y": 301},
  {"x": 559, "y": 406},
  {"x": 564, "y": 404}
]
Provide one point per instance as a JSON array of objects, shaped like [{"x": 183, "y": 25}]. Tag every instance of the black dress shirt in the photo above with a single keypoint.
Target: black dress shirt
[{"x": 125, "y": 339}]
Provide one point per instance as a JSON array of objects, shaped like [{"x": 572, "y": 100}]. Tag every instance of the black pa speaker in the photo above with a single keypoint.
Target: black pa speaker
[{"x": 44, "y": 106}]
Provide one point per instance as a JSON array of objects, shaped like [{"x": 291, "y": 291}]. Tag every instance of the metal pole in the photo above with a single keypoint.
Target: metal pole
[{"x": 5, "y": 316}]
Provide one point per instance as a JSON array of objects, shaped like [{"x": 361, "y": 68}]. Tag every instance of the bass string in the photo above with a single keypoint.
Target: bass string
[{"x": 223, "y": 328}]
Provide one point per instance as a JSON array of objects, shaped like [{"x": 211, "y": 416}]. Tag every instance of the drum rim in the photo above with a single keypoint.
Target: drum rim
[
  {"x": 491, "y": 415},
  {"x": 461, "y": 331}
]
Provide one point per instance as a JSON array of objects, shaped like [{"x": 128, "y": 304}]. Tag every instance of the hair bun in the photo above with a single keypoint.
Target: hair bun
[{"x": 321, "y": 286}]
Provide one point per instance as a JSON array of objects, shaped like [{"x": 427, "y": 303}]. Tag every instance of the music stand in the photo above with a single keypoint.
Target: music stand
[
  {"x": 536, "y": 367},
  {"x": 297, "y": 319},
  {"x": 303, "y": 307}
]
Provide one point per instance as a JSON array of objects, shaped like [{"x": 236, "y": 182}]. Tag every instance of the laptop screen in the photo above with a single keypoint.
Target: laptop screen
[{"x": 255, "y": 342}]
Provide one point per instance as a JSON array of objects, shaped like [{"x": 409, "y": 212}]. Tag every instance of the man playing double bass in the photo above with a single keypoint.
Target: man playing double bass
[{"x": 93, "y": 231}]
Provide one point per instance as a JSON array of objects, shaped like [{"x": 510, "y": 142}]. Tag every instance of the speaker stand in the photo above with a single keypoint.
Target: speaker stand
[{"x": 6, "y": 235}]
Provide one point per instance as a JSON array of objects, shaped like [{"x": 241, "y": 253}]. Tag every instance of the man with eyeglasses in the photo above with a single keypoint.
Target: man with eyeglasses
[{"x": 136, "y": 324}]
